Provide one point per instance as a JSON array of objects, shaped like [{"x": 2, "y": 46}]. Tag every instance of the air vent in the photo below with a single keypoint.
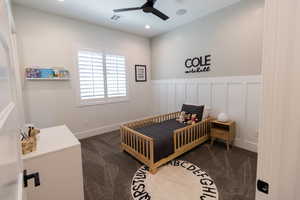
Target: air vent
[
  {"x": 115, "y": 17},
  {"x": 181, "y": 12}
]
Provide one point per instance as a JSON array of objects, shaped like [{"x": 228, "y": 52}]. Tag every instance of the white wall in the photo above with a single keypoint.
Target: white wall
[
  {"x": 50, "y": 40},
  {"x": 233, "y": 36},
  {"x": 238, "y": 96}
]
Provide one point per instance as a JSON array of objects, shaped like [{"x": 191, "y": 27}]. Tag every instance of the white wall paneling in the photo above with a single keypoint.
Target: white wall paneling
[
  {"x": 219, "y": 98},
  {"x": 163, "y": 89},
  {"x": 192, "y": 93},
  {"x": 171, "y": 97},
  {"x": 204, "y": 94},
  {"x": 180, "y": 94},
  {"x": 238, "y": 96}
]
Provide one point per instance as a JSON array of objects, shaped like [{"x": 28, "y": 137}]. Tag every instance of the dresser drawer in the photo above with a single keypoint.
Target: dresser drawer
[{"x": 219, "y": 133}]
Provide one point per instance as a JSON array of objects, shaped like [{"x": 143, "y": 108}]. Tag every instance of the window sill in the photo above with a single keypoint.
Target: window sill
[{"x": 110, "y": 101}]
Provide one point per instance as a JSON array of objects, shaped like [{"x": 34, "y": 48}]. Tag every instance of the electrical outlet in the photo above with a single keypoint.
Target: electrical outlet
[{"x": 263, "y": 186}]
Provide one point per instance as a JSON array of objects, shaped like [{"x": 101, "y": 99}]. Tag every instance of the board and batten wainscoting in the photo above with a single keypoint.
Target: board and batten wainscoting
[{"x": 238, "y": 96}]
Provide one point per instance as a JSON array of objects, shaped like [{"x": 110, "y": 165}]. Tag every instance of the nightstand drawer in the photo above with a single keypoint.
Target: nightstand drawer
[
  {"x": 222, "y": 130},
  {"x": 219, "y": 133}
]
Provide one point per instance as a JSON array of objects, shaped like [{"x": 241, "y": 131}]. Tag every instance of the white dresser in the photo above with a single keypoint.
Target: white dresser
[{"x": 59, "y": 164}]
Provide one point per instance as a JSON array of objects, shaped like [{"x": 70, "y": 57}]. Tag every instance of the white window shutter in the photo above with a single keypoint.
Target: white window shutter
[
  {"x": 116, "y": 76},
  {"x": 91, "y": 75}
]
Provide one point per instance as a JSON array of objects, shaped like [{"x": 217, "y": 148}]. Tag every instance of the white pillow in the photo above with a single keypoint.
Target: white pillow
[{"x": 206, "y": 113}]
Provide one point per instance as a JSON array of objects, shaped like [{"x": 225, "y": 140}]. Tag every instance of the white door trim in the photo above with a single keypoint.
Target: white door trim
[{"x": 11, "y": 164}]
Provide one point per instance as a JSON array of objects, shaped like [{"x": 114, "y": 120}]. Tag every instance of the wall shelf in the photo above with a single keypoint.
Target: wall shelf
[
  {"x": 47, "y": 74},
  {"x": 48, "y": 79}
]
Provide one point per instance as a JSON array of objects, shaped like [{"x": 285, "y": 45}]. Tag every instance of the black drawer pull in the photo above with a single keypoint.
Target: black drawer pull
[{"x": 34, "y": 176}]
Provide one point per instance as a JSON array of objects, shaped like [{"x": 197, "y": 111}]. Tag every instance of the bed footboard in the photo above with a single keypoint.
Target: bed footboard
[{"x": 138, "y": 145}]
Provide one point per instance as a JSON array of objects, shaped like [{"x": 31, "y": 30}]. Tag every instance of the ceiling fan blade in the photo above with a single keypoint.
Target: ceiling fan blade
[
  {"x": 127, "y": 9},
  {"x": 152, "y": 1},
  {"x": 149, "y": 4},
  {"x": 160, "y": 14}
]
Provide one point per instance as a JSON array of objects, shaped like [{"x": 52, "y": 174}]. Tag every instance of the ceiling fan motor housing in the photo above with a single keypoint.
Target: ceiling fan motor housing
[{"x": 148, "y": 7}]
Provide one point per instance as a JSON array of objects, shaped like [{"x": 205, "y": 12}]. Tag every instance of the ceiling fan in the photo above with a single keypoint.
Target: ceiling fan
[{"x": 148, "y": 7}]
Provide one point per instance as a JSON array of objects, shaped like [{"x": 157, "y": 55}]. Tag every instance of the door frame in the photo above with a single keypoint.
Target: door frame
[
  {"x": 16, "y": 71},
  {"x": 279, "y": 138},
  {"x": 13, "y": 112}
]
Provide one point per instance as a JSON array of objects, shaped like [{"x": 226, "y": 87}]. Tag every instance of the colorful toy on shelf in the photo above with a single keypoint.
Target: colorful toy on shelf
[
  {"x": 47, "y": 73},
  {"x": 63, "y": 73},
  {"x": 33, "y": 73},
  {"x": 55, "y": 73}
]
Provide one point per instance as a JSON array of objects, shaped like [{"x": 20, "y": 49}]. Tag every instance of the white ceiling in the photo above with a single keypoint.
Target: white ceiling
[{"x": 100, "y": 11}]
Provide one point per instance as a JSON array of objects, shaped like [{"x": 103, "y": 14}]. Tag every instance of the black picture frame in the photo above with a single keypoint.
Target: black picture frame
[{"x": 140, "y": 73}]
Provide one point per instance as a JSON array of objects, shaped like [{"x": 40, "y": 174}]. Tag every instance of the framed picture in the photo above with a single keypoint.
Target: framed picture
[{"x": 140, "y": 73}]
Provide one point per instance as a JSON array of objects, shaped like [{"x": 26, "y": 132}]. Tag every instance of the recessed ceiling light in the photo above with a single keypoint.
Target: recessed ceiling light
[
  {"x": 61, "y": 0},
  {"x": 181, "y": 12},
  {"x": 147, "y": 26}
]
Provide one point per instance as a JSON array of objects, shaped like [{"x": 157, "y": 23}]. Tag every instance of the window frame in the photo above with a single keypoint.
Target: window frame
[{"x": 106, "y": 99}]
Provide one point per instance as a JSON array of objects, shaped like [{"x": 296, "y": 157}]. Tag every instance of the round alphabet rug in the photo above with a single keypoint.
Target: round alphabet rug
[{"x": 177, "y": 180}]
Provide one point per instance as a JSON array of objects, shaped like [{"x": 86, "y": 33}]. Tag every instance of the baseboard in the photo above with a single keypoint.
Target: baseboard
[
  {"x": 246, "y": 145},
  {"x": 103, "y": 129},
  {"x": 97, "y": 131}
]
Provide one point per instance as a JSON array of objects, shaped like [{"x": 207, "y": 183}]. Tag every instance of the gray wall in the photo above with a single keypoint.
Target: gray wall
[
  {"x": 233, "y": 36},
  {"x": 49, "y": 40}
]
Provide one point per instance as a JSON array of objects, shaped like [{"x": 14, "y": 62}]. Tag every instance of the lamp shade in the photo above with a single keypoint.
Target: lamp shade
[{"x": 223, "y": 117}]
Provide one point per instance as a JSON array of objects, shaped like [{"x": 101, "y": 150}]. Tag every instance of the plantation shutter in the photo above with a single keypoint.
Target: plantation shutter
[
  {"x": 115, "y": 76},
  {"x": 91, "y": 75}
]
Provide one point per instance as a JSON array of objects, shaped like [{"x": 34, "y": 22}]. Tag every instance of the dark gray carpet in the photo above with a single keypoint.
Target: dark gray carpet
[{"x": 108, "y": 171}]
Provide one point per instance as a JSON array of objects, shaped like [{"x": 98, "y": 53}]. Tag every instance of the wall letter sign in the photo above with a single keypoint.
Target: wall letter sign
[{"x": 198, "y": 64}]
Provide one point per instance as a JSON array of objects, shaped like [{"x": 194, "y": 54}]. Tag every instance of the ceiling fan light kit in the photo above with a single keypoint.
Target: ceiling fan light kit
[{"x": 148, "y": 7}]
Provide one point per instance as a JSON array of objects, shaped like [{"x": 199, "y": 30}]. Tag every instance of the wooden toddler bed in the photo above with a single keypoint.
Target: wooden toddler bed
[{"x": 138, "y": 139}]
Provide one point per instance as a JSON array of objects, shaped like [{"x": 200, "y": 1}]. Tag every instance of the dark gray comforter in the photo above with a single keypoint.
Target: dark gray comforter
[{"x": 162, "y": 133}]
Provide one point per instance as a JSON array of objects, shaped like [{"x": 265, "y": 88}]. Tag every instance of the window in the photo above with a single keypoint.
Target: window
[
  {"x": 115, "y": 75},
  {"x": 102, "y": 77}
]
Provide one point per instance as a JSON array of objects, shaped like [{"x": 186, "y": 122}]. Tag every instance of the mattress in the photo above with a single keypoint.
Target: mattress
[{"x": 162, "y": 134}]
